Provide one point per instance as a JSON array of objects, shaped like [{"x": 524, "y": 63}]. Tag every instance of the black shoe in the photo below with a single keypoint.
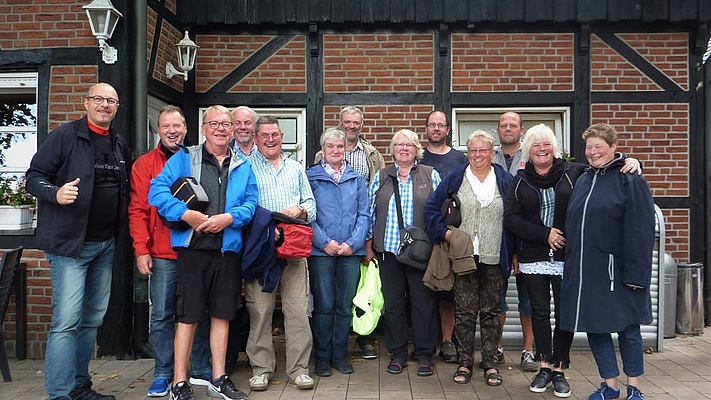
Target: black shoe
[
  {"x": 540, "y": 382},
  {"x": 342, "y": 366},
  {"x": 87, "y": 393},
  {"x": 369, "y": 352},
  {"x": 223, "y": 387},
  {"x": 323, "y": 367},
  {"x": 561, "y": 388},
  {"x": 181, "y": 391}
]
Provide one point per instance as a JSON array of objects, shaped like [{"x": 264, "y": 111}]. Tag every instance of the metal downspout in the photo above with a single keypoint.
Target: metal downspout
[
  {"x": 707, "y": 183},
  {"x": 140, "y": 71}
]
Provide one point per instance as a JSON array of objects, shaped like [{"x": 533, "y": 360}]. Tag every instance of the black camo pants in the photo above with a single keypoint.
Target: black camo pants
[{"x": 478, "y": 294}]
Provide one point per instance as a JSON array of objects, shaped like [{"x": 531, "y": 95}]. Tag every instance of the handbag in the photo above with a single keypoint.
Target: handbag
[
  {"x": 295, "y": 237},
  {"x": 368, "y": 301},
  {"x": 188, "y": 190},
  {"x": 415, "y": 244},
  {"x": 452, "y": 211}
]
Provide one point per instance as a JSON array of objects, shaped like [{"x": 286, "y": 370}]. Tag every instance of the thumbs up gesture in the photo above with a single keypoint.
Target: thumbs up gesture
[{"x": 68, "y": 193}]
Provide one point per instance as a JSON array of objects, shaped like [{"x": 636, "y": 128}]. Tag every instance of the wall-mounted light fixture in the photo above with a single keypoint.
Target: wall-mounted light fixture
[
  {"x": 103, "y": 17},
  {"x": 187, "y": 50}
]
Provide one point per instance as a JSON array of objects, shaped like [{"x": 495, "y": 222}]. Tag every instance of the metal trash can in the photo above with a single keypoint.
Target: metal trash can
[
  {"x": 689, "y": 299},
  {"x": 671, "y": 274}
]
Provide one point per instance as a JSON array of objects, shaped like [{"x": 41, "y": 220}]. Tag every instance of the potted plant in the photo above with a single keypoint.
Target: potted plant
[{"x": 16, "y": 205}]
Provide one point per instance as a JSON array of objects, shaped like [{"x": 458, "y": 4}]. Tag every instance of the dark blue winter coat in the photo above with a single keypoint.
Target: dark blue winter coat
[{"x": 609, "y": 243}]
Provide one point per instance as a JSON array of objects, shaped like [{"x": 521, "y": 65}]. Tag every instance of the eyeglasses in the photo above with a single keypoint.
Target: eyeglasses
[
  {"x": 100, "y": 99},
  {"x": 432, "y": 125},
  {"x": 479, "y": 151},
  {"x": 405, "y": 145},
  {"x": 272, "y": 136},
  {"x": 215, "y": 124}
]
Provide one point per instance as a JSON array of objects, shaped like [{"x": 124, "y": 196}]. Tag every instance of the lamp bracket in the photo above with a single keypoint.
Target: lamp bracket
[
  {"x": 108, "y": 54},
  {"x": 171, "y": 71}
]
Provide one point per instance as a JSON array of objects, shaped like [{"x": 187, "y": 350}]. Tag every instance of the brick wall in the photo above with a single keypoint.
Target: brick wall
[
  {"x": 512, "y": 62},
  {"x": 667, "y": 52},
  {"x": 378, "y": 63},
  {"x": 167, "y": 52},
  {"x": 67, "y": 87},
  {"x": 219, "y": 55},
  {"x": 30, "y": 24}
]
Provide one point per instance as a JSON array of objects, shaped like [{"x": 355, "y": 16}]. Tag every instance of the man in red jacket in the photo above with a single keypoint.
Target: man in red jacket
[{"x": 156, "y": 258}]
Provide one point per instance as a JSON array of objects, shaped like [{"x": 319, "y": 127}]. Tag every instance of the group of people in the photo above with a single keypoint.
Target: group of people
[{"x": 543, "y": 223}]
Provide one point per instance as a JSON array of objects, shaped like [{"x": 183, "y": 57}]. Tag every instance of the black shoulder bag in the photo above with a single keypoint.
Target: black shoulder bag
[{"x": 415, "y": 244}]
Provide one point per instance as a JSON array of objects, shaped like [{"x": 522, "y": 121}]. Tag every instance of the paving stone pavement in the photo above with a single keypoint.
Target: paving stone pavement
[{"x": 682, "y": 371}]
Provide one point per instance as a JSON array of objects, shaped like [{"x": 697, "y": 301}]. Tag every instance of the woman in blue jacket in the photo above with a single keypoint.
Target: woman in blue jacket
[
  {"x": 340, "y": 229},
  {"x": 608, "y": 268}
]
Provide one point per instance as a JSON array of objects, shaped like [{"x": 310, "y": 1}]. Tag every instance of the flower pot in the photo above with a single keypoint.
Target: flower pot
[{"x": 15, "y": 218}]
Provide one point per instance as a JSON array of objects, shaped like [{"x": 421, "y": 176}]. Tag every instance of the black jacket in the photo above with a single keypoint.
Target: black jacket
[
  {"x": 522, "y": 214},
  {"x": 65, "y": 155}
]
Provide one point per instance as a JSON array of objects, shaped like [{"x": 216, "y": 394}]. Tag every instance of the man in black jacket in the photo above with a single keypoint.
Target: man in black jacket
[{"x": 80, "y": 178}]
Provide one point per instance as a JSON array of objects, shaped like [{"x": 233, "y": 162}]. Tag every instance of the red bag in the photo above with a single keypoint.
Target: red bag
[{"x": 294, "y": 240}]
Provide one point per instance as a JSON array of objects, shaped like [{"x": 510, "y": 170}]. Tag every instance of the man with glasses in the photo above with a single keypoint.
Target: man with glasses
[
  {"x": 283, "y": 187},
  {"x": 444, "y": 159},
  {"x": 243, "y": 127},
  {"x": 80, "y": 176},
  {"x": 508, "y": 155},
  {"x": 209, "y": 251},
  {"x": 156, "y": 258},
  {"x": 366, "y": 160}
]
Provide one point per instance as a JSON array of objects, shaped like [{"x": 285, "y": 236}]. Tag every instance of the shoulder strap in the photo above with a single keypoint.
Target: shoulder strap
[{"x": 396, "y": 189}]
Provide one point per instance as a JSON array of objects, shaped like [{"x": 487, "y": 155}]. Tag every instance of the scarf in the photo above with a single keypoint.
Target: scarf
[{"x": 548, "y": 180}]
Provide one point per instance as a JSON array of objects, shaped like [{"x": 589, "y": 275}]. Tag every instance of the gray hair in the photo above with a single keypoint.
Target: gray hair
[
  {"x": 535, "y": 134},
  {"x": 411, "y": 137},
  {"x": 350, "y": 110},
  {"x": 333, "y": 133},
  {"x": 483, "y": 136},
  {"x": 253, "y": 113},
  {"x": 265, "y": 120}
]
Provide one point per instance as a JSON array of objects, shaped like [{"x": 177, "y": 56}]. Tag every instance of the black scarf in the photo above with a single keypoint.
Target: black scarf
[{"x": 548, "y": 180}]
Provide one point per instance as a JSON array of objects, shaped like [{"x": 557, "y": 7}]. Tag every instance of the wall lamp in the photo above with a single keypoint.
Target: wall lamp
[
  {"x": 103, "y": 17},
  {"x": 187, "y": 50}
]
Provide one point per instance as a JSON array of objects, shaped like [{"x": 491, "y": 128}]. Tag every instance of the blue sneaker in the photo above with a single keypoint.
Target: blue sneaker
[
  {"x": 605, "y": 392},
  {"x": 159, "y": 388},
  {"x": 201, "y": 380},
  {"x": 633, "y": 393}
]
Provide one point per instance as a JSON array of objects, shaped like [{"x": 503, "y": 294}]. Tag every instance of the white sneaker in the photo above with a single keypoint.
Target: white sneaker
[
  {"x": 259, "y": 382},
  {"x": 304, "y": 382}
]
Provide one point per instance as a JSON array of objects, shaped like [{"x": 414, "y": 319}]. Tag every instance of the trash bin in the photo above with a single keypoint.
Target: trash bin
[
  {"x": 689, "y": 299},
  {"x": 670, "y": 287}
]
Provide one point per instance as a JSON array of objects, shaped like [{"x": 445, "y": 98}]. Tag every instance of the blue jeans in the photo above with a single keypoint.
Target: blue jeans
[
  {"x": 631, "y": 351},
  {"x": 162, "y": 292},
  {"x": 80, "y": 296},
  {"x": 333, "y": 283},
  {"x": 524, "y": 302}
]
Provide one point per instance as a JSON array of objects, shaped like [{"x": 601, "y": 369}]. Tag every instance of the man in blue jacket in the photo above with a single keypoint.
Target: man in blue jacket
[
  {"x": 209, "y": 252},
  {"x": 80, "y": 178}
]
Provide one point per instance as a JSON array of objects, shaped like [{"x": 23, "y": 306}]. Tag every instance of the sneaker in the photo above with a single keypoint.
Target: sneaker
[
  {"x": 540, "y": 382},
  {"x": 304, "y": 382},
  {"x": 528, "y": 361},
  {"x": 259, "y": 382},
  {"x": 448, "y": 351},
  {"x": 500, "y": 356},
  {"x": 605, "y": 392},
  {"x": 201, "y": 380},
  {"x": 181, "y": 391},
  {"x": 561, "y": 387},
  {"x": 342, "y": 366},
  {"x": 159, "y": 388},
  {"x": 369, "y": 352},
  {"x": 223, "y": 387},
  {"x": 323, "y": 367},
  {"x": 633, "y": 393},
  {"x": 87, "y": 393}
]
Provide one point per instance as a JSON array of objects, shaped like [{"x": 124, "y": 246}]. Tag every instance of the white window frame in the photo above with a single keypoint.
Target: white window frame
[
  {"x": 490, "y": 115},
  {"x": 295, "y": 150},
  {"x": 20, "y": 83}
]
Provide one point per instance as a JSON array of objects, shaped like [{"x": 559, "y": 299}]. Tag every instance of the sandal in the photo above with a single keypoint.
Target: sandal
[
  {"x": 426, "y": 368},
  {"x": 493, "y": 378},
  {"x": 396, "y": 367},
  {"x": 462, "y": 375}
]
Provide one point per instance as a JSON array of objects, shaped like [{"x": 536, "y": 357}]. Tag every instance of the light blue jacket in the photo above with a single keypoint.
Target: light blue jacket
[
  {"x": 240, "y": 199},
  {"x": 341, "y": 209}
]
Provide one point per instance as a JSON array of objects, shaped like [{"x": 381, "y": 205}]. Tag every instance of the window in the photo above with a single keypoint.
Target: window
[
  {"x": 292, "y": 122},
  {"x": 467, "y": 120},
  {"x": 18, "y": 122},
  {"x": 154, "y": 107}
]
